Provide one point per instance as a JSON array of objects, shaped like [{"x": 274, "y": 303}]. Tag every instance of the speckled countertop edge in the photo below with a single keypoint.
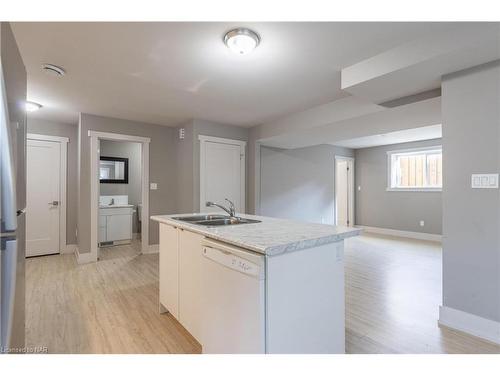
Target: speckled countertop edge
[{"x": 269, "y": 236}]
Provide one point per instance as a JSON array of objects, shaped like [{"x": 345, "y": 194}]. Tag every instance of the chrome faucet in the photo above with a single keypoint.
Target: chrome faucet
[{"x": 231, "y": 210}]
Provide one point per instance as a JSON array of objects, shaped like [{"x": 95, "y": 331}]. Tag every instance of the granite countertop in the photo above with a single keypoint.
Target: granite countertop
[{"x": 270, "y": 237}]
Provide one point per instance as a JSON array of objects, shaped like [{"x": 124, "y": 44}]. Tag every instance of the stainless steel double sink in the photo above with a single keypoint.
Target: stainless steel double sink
[{"x": 215, "y": 220}]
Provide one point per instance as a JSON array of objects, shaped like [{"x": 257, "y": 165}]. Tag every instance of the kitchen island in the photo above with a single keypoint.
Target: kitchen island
[{"x": 275, "y": 286}]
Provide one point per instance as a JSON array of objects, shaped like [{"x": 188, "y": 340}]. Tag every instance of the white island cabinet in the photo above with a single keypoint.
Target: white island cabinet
[
  {"x": 276, "y": 286},
  {"x": 180, "y": 274}
]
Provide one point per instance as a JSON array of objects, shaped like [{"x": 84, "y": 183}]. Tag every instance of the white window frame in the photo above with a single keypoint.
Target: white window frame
[{"x": 410, "y": 150}]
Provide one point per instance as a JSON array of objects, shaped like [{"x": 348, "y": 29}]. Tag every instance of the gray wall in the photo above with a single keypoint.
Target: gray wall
[
  {"x": 70, "y": 131},
  {"x": 184, "y": 154},
  {"x": 471, "y": 217},
  {"x": 131, "y": 151},
  {"x": 188, "y": 153},
  {"x": 162, "y": 169},
  {"x": 299, "y": 184},
  {"x": 376, "y": 207}
]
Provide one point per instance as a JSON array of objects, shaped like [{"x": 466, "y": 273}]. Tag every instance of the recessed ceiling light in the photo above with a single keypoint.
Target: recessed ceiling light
[
  {"x": 241, "y": 40},
  {"x": 53, "y": 70},
  {"x": 32, "y": 106}
]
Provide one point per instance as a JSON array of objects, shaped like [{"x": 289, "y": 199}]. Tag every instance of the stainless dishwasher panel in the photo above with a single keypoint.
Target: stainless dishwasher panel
[{"x": 233, "y": 300}]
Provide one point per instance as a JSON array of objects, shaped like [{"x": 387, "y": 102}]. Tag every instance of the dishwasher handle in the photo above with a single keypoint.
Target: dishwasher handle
[{"x": 234, "y": 262}]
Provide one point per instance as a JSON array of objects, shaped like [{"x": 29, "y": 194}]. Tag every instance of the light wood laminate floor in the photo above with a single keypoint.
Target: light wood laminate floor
[
  {"x": 106, "y": 307},
  {"x": 393, "y": 293},
  {"x": 393, "y": 290}
]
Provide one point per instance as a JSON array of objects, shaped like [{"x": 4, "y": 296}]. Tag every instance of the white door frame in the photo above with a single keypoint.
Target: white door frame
[
  {"x": 351, "y": 192},
  {"x": 95, "y": 137},
  {"x": 63, "y": 142},
  {"x": 203, "y": 143}
]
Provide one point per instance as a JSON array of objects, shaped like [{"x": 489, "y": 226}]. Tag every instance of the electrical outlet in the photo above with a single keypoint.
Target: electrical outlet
[
  {"x": 153, "y": 186},
  {"x": 484, "y": 181},
  {"x": 422, "y": 223},
  {"x": 359, "y": 187}
]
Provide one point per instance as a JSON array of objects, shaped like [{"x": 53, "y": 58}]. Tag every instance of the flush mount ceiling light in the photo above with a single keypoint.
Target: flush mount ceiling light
[
  {"x": 241, "y": 40},
  {"x": 32, "y": 106},
  {"x": 53, "y": 70}
]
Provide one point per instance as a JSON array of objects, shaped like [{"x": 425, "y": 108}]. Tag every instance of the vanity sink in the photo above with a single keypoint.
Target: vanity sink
[{"x": 215, "y": 220}]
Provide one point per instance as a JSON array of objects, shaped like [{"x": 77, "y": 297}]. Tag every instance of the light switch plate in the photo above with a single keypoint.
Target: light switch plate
[
  {"x": 153, "y": 186},
  {"x": 484, "y": 181}
]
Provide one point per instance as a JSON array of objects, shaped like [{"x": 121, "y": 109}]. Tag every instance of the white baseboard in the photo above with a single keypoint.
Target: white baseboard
[
  {"x": 68, "y": 249},
  {"x": 402, "y": 233},
  {"x": 472, "y": 324},
  {"x": 83, "y": 258},
  {"x": 152, "y": 249}
]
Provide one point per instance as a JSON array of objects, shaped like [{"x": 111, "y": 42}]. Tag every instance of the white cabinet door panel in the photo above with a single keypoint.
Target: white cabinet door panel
[
  {"x": 118, "y": 227},
  {"x": 102, "y": 234},
  {"x": 190, "y": 282}
]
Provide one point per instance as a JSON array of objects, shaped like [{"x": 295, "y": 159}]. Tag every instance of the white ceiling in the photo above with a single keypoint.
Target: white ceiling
[
  {"x": 402, "y": 136},
  {"x": 168, "y": 73}
]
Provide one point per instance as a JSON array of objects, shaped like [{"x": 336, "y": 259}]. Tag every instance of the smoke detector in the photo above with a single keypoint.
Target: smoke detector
[{"x": 53, "y": 70}]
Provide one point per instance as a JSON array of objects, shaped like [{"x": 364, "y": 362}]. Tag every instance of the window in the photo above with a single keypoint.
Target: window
[{"x": 415, "y": 170}]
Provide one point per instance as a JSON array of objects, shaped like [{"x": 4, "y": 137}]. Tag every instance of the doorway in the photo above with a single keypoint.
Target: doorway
[
  {"x": 95, "y": 139},
  {"x": 344, "y": 191},
  {"x": 46, "y": 160},
  {"x": 222, "y": 172}
]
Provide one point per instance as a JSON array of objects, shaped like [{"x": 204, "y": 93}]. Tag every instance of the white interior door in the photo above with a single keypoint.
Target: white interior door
[
  {"x": 344, "y": 193},
  {"x": 43, "y": 159},
  {"x": 222, "y": 173}
]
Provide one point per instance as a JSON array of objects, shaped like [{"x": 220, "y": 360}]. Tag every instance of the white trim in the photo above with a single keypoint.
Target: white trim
[
  {"x": 69, "y": 249},
  {"x": 145, "y": 196},
  {"x": 483, "y": 328},
  {"x": 118, "y": 137},
  {"x": 63, "y": 195},
  {"x": 95, "y": 137},
  {"x": 43, "y": 137},
  {"x": 203, "y": 140},
  {"x": 415, "y": 150},
  {"x": 227, "y": 141},
  {"x": 94, "y": 196},
  {"x": 152, "y": 249},
  {"x": 63, "y": 183},
  {"x": 352, "y": 190},
  {"x": 402, "y": 233},
  {"x": 83, "y": 258}
]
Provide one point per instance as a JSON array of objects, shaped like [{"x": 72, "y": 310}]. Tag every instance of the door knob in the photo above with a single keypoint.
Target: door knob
[{"x": 54, "y": 203}]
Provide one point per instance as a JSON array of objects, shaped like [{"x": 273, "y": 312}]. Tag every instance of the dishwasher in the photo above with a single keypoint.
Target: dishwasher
[{"x": 233, "y": 299}]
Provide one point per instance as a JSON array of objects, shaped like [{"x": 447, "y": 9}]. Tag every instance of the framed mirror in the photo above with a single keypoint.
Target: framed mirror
[{"x": 113, "y": 170}]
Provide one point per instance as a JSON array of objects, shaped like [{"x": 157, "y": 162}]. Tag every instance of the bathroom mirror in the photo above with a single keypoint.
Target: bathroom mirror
[{"x": 113, "y": 170}]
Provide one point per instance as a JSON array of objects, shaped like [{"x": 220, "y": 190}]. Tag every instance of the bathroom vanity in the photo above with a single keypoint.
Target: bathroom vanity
[
  {"x": 262, "y": 285},
  {"x": 115, "y": 220}
]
